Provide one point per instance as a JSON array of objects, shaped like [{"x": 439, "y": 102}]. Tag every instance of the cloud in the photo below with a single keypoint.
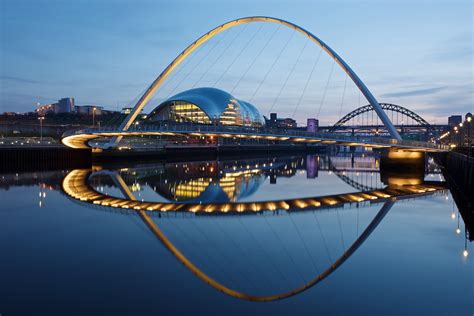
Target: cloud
[
  {"x": 33, "y": 81},
  {"x": 456, "y": 48},
  {"x": 19, "y": 79},
  {"x": 413, "y": 92}
]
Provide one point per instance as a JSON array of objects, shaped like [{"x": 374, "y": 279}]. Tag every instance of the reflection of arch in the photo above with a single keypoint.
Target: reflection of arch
[
  {"x": 265, "y": 298},
  {"x": 75, "y": 184},
  {"x": 387, "y": 107},
  {"x": 219, "y": 286},
  {"x": 356, "y": 185},
  {"x": 204, "y": 38}
]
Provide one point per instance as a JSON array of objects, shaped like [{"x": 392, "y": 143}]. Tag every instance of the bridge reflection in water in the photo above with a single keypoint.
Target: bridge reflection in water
[{"x": 295, "y": 250}]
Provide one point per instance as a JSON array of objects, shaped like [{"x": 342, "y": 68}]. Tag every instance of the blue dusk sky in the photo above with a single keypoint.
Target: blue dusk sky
[{"x": 417, "y": 54}]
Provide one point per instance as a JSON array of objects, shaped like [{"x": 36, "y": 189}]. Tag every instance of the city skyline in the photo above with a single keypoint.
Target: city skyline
[{"x": 425, "y": 66}]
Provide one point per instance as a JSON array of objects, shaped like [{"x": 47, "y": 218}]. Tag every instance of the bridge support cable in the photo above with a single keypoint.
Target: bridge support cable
[
  {"x": 256, "y": 58},
  {"x": 340, "y": 230},
  {"x": 264, "y": 249},
  {"x": 131, "y": 102},
  {"x": 272, "y": 66},
  {"x": 204, "y": 57},
  {"x": 308, "y": 253},
  {"x": 325, "y": 90},
  {"x": 246, "y": 254},
  {"x": 199, "y": 251},
  {"x": 211, "y": 64},
  {"x": 236, "y": 245},
  {"x": 178, "y": 73},
  {"x": 372, "y": 119},
  {"x": 343, "y": 95},
  {"x": 224, "y": 51},
  {"x": 285, "y": 250},
  {"x": 238, "y": 55},
  {"x": 289, "y": 75},
  {"x": 318, "y": 225},
  {"x": 357, "y": 223},
  {"x": 307, "y": 83},
  {"x": 210, "y": 241}
]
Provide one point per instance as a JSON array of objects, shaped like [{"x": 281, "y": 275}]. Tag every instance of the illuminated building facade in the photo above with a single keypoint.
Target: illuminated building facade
[{"x": 207, "y": 106}]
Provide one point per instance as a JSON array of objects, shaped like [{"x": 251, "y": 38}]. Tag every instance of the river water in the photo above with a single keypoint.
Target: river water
[{"x": 281, "y": 235}]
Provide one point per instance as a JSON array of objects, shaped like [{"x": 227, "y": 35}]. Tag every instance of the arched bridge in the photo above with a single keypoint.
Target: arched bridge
[
  {"x": 80, "y": 139},
  {"x": 386, "y": 107}
]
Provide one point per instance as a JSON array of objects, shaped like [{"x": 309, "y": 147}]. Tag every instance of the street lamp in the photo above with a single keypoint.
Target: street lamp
[
  {"x": 41, "y": 119},
  {"x": 468, "y": 122},
  {"x": 93, "y": 116},
  {"x": 456, "y": 135}
]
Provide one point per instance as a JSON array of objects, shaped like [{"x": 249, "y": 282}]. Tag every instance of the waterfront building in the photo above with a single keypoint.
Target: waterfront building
[
  {"x": 276, "y": 122},
  {"x": 126, "y": 110},
  {"x": 64, "y": 105},
  {"x": 44, "y": 109},
  {"x": 207, "y": 106},
  {"x": 454, "y": 120},
  {"x": 88, "y": 109}
]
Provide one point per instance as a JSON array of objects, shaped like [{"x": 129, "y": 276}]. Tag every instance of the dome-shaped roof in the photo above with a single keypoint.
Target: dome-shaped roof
[{"x": 213, "y": 102}]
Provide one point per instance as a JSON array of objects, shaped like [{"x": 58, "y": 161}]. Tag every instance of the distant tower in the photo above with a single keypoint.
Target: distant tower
[
  {"x": 312, "y": 125},
  {"x": 273, "y": 119},
  {"x": 311, "y": 167}
]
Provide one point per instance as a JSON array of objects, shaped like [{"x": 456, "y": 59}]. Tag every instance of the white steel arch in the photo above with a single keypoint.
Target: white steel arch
[{"x": 204, "y": 38}]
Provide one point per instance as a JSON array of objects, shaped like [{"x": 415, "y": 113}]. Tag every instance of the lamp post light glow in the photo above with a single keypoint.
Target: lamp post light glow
[
  {"x": 458, "y": 230},
  {"x": 41, "y": 119},
  {"x": 468, "y": 120},
  {"x": 93, "y": 116}
]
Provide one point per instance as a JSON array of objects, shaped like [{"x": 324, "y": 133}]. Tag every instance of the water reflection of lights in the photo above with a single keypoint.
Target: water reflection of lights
[
  {"x": 75, "y": 185},
  {"x": 75, "y": 181}
]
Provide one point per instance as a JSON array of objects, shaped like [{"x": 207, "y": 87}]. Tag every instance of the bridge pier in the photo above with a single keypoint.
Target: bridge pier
[{"x": 400, "y": 167}]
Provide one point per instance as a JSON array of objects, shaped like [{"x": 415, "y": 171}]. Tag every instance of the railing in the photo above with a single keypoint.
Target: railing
[{"x": 258, "y": 131}]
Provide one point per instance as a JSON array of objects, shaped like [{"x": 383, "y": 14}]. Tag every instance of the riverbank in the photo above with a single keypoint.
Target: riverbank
[
  {"x": 58, "y": 156},
  {"x": 51, "y": 157},
  {"x": 458, "y": 170}
]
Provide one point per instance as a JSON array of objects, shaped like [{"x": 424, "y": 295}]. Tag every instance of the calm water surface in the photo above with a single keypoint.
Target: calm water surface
[{"x": 350, "y": 255}]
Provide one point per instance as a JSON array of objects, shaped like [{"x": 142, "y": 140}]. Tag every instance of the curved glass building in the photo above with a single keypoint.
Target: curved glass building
[{"x": 207, "y": 106}]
